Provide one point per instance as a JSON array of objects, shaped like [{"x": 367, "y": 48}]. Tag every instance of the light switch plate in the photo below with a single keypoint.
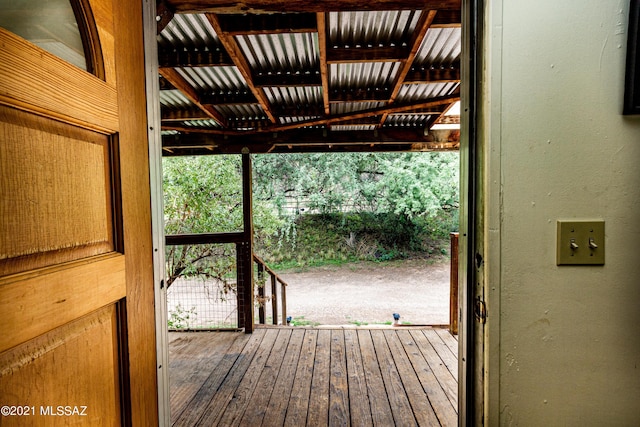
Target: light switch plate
[{"x": 580, "y": 243}]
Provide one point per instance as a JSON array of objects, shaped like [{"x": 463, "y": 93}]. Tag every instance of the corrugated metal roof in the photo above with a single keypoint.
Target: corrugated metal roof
[
  {"x": 294, "y": 96},
  {"x": 441, "y": 46},
  {"x": 415, "y": 92},
  {"x": 190, "y": 31},
  {"x": 346, "y": 128},
  {"x": 174, "y": 100},
  {"x": 280, "y": 52},
  {"x": 362, "y": 74},
  {"x": 350, "y": 107},
  {"x": 297, "y": 119},
  {"x": 206, "y": 79},
  {"x": 384, "y": 28},
  {"x": 408, "y": 120},
  {"x": 205, "y": 123},
  {"x": 243, "y": 111}
]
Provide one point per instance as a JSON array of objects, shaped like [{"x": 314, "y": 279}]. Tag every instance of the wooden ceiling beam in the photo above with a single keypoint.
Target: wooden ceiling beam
[
  {"x": 336, "y": 55},
  {"x": 249, "y": 24},
  {"x": 183, "y": 115},
  {"x": 361, "y": 95},
  {"x": 211, "y": 57},
  {"x": 321, "y": 20},
  {"x": 433, "y": 75},
  {"x": 447, "y": 19},
  {"x": 229, "y": 98},
  {"x": 189, "y": 91},
  {"x": 393, "y": 109},
  {"x": 284, "y": 6},
  {"x": 232, "y": 47}
]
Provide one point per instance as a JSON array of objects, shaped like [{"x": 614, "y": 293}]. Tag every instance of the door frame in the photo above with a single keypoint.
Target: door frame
[{"x": 473, "y": 392}]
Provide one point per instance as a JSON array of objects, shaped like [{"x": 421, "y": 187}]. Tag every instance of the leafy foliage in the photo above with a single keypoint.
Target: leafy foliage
[
  {"x": 204, "y": 195},
  {"x": 366, "y": 206}
]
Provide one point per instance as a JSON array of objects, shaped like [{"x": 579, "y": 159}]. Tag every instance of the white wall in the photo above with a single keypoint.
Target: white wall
[{"x": 566, "y": 344}]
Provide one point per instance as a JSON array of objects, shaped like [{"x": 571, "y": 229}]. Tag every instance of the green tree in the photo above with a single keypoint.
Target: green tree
[{"x": 204, "y": 195}]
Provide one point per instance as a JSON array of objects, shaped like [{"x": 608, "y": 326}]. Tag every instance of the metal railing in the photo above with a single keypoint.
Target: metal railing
[{"x": 273, "y": 297}]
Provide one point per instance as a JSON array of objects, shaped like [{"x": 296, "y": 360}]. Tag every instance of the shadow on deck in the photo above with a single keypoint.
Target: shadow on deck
[{"x": 314, "y": 376}]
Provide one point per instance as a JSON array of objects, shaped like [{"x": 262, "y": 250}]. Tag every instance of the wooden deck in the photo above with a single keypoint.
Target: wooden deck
[{"x": 304, "y": 376}]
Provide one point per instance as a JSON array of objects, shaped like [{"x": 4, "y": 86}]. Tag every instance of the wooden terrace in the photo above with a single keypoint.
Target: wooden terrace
[{"x": 314, "y": 376}]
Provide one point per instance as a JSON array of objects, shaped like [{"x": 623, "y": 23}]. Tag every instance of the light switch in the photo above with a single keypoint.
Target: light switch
[{"x": 580, "y": 243}]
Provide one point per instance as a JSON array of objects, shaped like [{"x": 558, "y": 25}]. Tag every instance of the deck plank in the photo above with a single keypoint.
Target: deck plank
[
  {"x": 281, "y": 396},
  {"x": 380, "y": 408},
  {"x": 359, "y": 407},
  {"x": 192, "y": 358},
  {"x": 422, "y": 410},
  {"x": 301, "y": 389},
  {"x": 450, "y": 340},
  {"x": 448, "y": 357},
  {"x": 245, "y": 389},
  {"x": 310, "y": 377},
  {"x": 445, "y": 411},
  {"x": 442, "y": 373},
  {"x": 318, "y": 414},
  {"x": 210, "y": 413},
  {"x": 398, "y": 400},
  {"x": 258, "y": 403},
  {"x": 338, "y": 386}
]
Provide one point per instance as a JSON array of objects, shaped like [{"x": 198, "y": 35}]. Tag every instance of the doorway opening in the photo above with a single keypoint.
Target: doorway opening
[{"x": 304, "y": 110}]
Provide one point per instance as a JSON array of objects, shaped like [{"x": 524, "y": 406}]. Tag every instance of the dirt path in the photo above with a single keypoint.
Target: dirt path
[{"x": 370, "y": 293}]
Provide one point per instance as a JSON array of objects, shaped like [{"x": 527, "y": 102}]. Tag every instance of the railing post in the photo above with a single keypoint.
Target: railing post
[
  {"x": 283, "y": 297},
  {"x": 453, "y": 300},
  {"x": 274, "y": 300},
  {"x": 261, "y": 284}
]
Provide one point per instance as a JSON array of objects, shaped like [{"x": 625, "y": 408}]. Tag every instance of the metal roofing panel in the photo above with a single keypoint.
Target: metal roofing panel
[
  {"x": 415, "y": 92},
  {"x": 242, "y": 111},
  {"x": 174, "y": 100},
  {"x": 345, "y": 128},
  {"x": 190, "y": 31},
  {"x": 298, "y": 119},
  {"x": 362, "y": 74},
  {"x": 350, "y": 107},
  {"x": 205, "y": 79},
  {"x": 441, "y": 46},
  {"x": 382, "y": 28},
  {"x": 280, "y": 52},
  {"x": 205, "y": 123},
  {"x": 294, "y": 96},
  {"x": 408, "y": 120}
]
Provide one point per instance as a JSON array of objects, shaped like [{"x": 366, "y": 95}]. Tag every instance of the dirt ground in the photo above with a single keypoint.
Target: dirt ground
[{"x": 369, "y": 293}]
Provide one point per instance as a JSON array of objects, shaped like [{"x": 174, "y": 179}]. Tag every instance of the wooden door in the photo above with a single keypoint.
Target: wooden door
[{"x": 76, "y": 289}]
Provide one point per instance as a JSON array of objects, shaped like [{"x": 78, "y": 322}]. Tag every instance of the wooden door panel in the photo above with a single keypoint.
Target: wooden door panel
[
  {"x": 39, "y": 301},
  {"x": 56, "y": 187},
  {"x": 38, "y": 81},
  {"x": 62, "y": 261},
  {"x": 74, "y": 368}
]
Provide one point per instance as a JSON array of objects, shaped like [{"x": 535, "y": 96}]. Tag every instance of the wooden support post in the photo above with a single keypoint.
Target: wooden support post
[
  {"x": 453, "y": 301},
  {"x": 274, "y": 301},
  {"x": 261, "y": 283},
  {"x": 247, "y": 264},
  {"x": 283, "y": 298}
]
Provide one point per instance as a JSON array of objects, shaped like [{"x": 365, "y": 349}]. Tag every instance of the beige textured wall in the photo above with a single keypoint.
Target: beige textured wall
[{"x": 566, "y": 345}]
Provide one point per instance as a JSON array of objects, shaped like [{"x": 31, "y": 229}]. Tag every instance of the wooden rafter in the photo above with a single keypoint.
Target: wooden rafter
[
  {"x": 321, "y": 19},
  {"x": 189, "y": 91},
  {"x": 394, "y": 109},
  {"x": 306, "y": 140},
  {"x": 231, "y": 45},
  {"x": 247, "y": 24},
  {"x": 426, "y": 18},
  {"x": 212, "y": 57},
  {"x": 271, "y": 6}
]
